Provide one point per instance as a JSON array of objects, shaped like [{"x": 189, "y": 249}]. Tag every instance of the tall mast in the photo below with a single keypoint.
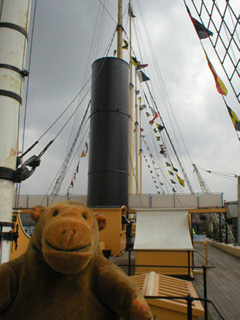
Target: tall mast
[
  {"x": 119, "y": 30},
  {"x": 14, "y": 23},
  {"x": 119, "y": 55},
  {"x": 136, "y": 136},
  {"x": 130, "y": 106},
  {"x": 140, "y": 147}
]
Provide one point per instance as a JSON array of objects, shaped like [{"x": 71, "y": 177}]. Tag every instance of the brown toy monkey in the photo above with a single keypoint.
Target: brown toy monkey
[{"x": 64, "y": 276}]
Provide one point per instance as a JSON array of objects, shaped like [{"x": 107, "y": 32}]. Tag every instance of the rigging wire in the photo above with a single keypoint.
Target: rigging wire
[
  {"x": 63, "y": 127},
  {"x": 231, "y": 13},
  {"x": 158, "y": 168},
  {"x": 164, "y": 93},
  {"x": 154, "y": 145},
  {"x": 74, "y": 99},
  {"x": 110, "y": 44},
  {"x": 107, "y": 50},
  {"x": 165, "y": 96},
  {"x": 92, "y": 48},
  {"x": 48, "y": 145},
  {"x": 61, "y": 167},
  {"x": 173, "y": 148},
  {"x": 59, "y": 117},
  {"x": 219, "y": 39},
  {"x": 68, "y": 157},
  {"x": 108, "y": 12},
  {"x": 222, "y": 174},
  {"x": 71, "y": 103},
  {"x": 227, "y": 34},
  {"x": 153, "y": 150},
  {"x": 99, "y": 26},
  {"x": 77, "y": 159},
  {"x": 100, "y": 31}
]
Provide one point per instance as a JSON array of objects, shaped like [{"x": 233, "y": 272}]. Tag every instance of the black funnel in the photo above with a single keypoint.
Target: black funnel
[{"x": 109, "y": 134}]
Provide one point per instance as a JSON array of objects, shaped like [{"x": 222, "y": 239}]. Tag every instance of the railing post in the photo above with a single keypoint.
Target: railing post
[
  {"x": 193, "y": 253},
  {"x": 189, "y": 306},
  {"x": 226, "y": 229},
  {"x": 129, "y": 261},
  {"x": 189, "y": 264},
  {"x": 226, "y": 232},
  {"x": 220, "y": 228},
  {"x": 150, "y": 200},
  {"x": 205, "y": 291}
]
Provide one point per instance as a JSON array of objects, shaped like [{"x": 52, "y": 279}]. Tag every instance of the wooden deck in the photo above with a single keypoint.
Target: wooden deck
[{"x": 223, "y": 282}]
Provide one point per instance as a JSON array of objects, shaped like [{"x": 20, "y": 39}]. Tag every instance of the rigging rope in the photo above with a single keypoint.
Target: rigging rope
[
  {"x": 222, "y": 174},
  {"x": 163, "y": 90},
  {"x": 219, "y": 39},
  {"x": 77, "y": 151},
  {"x": 74, "y": 99},
  {"x": 108, "y": 12},
  {"x": 155, "y": 164},
  {"x": 170, "y": 140},
  {"x": 59, "y": 132},
  {"x": 59, "y": 180},
  {"x": 180, "y": 145}
]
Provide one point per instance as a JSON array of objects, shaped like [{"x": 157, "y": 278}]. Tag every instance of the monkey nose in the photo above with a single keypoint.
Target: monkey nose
[{"x": 67, "y": 236}]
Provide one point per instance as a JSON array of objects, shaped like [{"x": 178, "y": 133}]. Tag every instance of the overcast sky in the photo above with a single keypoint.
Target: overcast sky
[{"x": 66, "y": 42}]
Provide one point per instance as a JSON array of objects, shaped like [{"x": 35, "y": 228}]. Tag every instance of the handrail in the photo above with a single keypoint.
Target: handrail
[
  {"x": 189, "y": 267},
  {"x": 188, "y": 298}
]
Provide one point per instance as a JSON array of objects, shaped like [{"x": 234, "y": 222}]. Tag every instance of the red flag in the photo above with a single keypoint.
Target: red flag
[{"x": 219, "y": 84}]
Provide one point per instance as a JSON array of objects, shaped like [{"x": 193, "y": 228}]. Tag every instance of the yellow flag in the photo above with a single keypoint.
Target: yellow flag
[
  {"x": 181, "y": 181},
  {"x": 134, "y": 60},
  {"x": 125, "y": 46},
  {"x": 83, "y": 154}
]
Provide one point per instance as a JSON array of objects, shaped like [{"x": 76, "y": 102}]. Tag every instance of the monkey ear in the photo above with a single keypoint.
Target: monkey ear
[
  {"x": 37, "y": 212},
  {"x": 102, "y": 220}
]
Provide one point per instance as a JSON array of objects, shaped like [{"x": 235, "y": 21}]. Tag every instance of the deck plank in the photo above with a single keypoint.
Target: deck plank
[{"x": 223, "y": 282}]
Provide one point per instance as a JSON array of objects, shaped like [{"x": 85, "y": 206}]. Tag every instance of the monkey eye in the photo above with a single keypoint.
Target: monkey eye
[
  {"x": 55, "y": 213},
  {"x": 84, "y": 216}
]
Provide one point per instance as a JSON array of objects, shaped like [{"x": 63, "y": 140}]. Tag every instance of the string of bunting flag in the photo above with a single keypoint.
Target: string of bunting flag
[
  {"x": 155, "y": 122},
  {"x": 154, "y": 168},
  {"x": 157, "y": 131},
  {"x": 83, "y": 154},
  {"x": 204, "y": 33},
  {"x": 157, "y": 127}
]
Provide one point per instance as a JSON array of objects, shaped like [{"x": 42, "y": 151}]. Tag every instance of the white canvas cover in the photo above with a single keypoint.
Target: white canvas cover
[{"x": 162, "y": 230}]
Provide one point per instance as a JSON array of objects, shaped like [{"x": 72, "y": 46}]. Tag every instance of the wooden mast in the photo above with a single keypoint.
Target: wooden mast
[
  {"x": 119, "y": 55},
  {"x": 140, "y": 147},
  {"x": 136, "y": 136},
  {"x": 119, "y": 30},
  {"x": 130, "y": 105},
  {"x": 14, "y": 22}
]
